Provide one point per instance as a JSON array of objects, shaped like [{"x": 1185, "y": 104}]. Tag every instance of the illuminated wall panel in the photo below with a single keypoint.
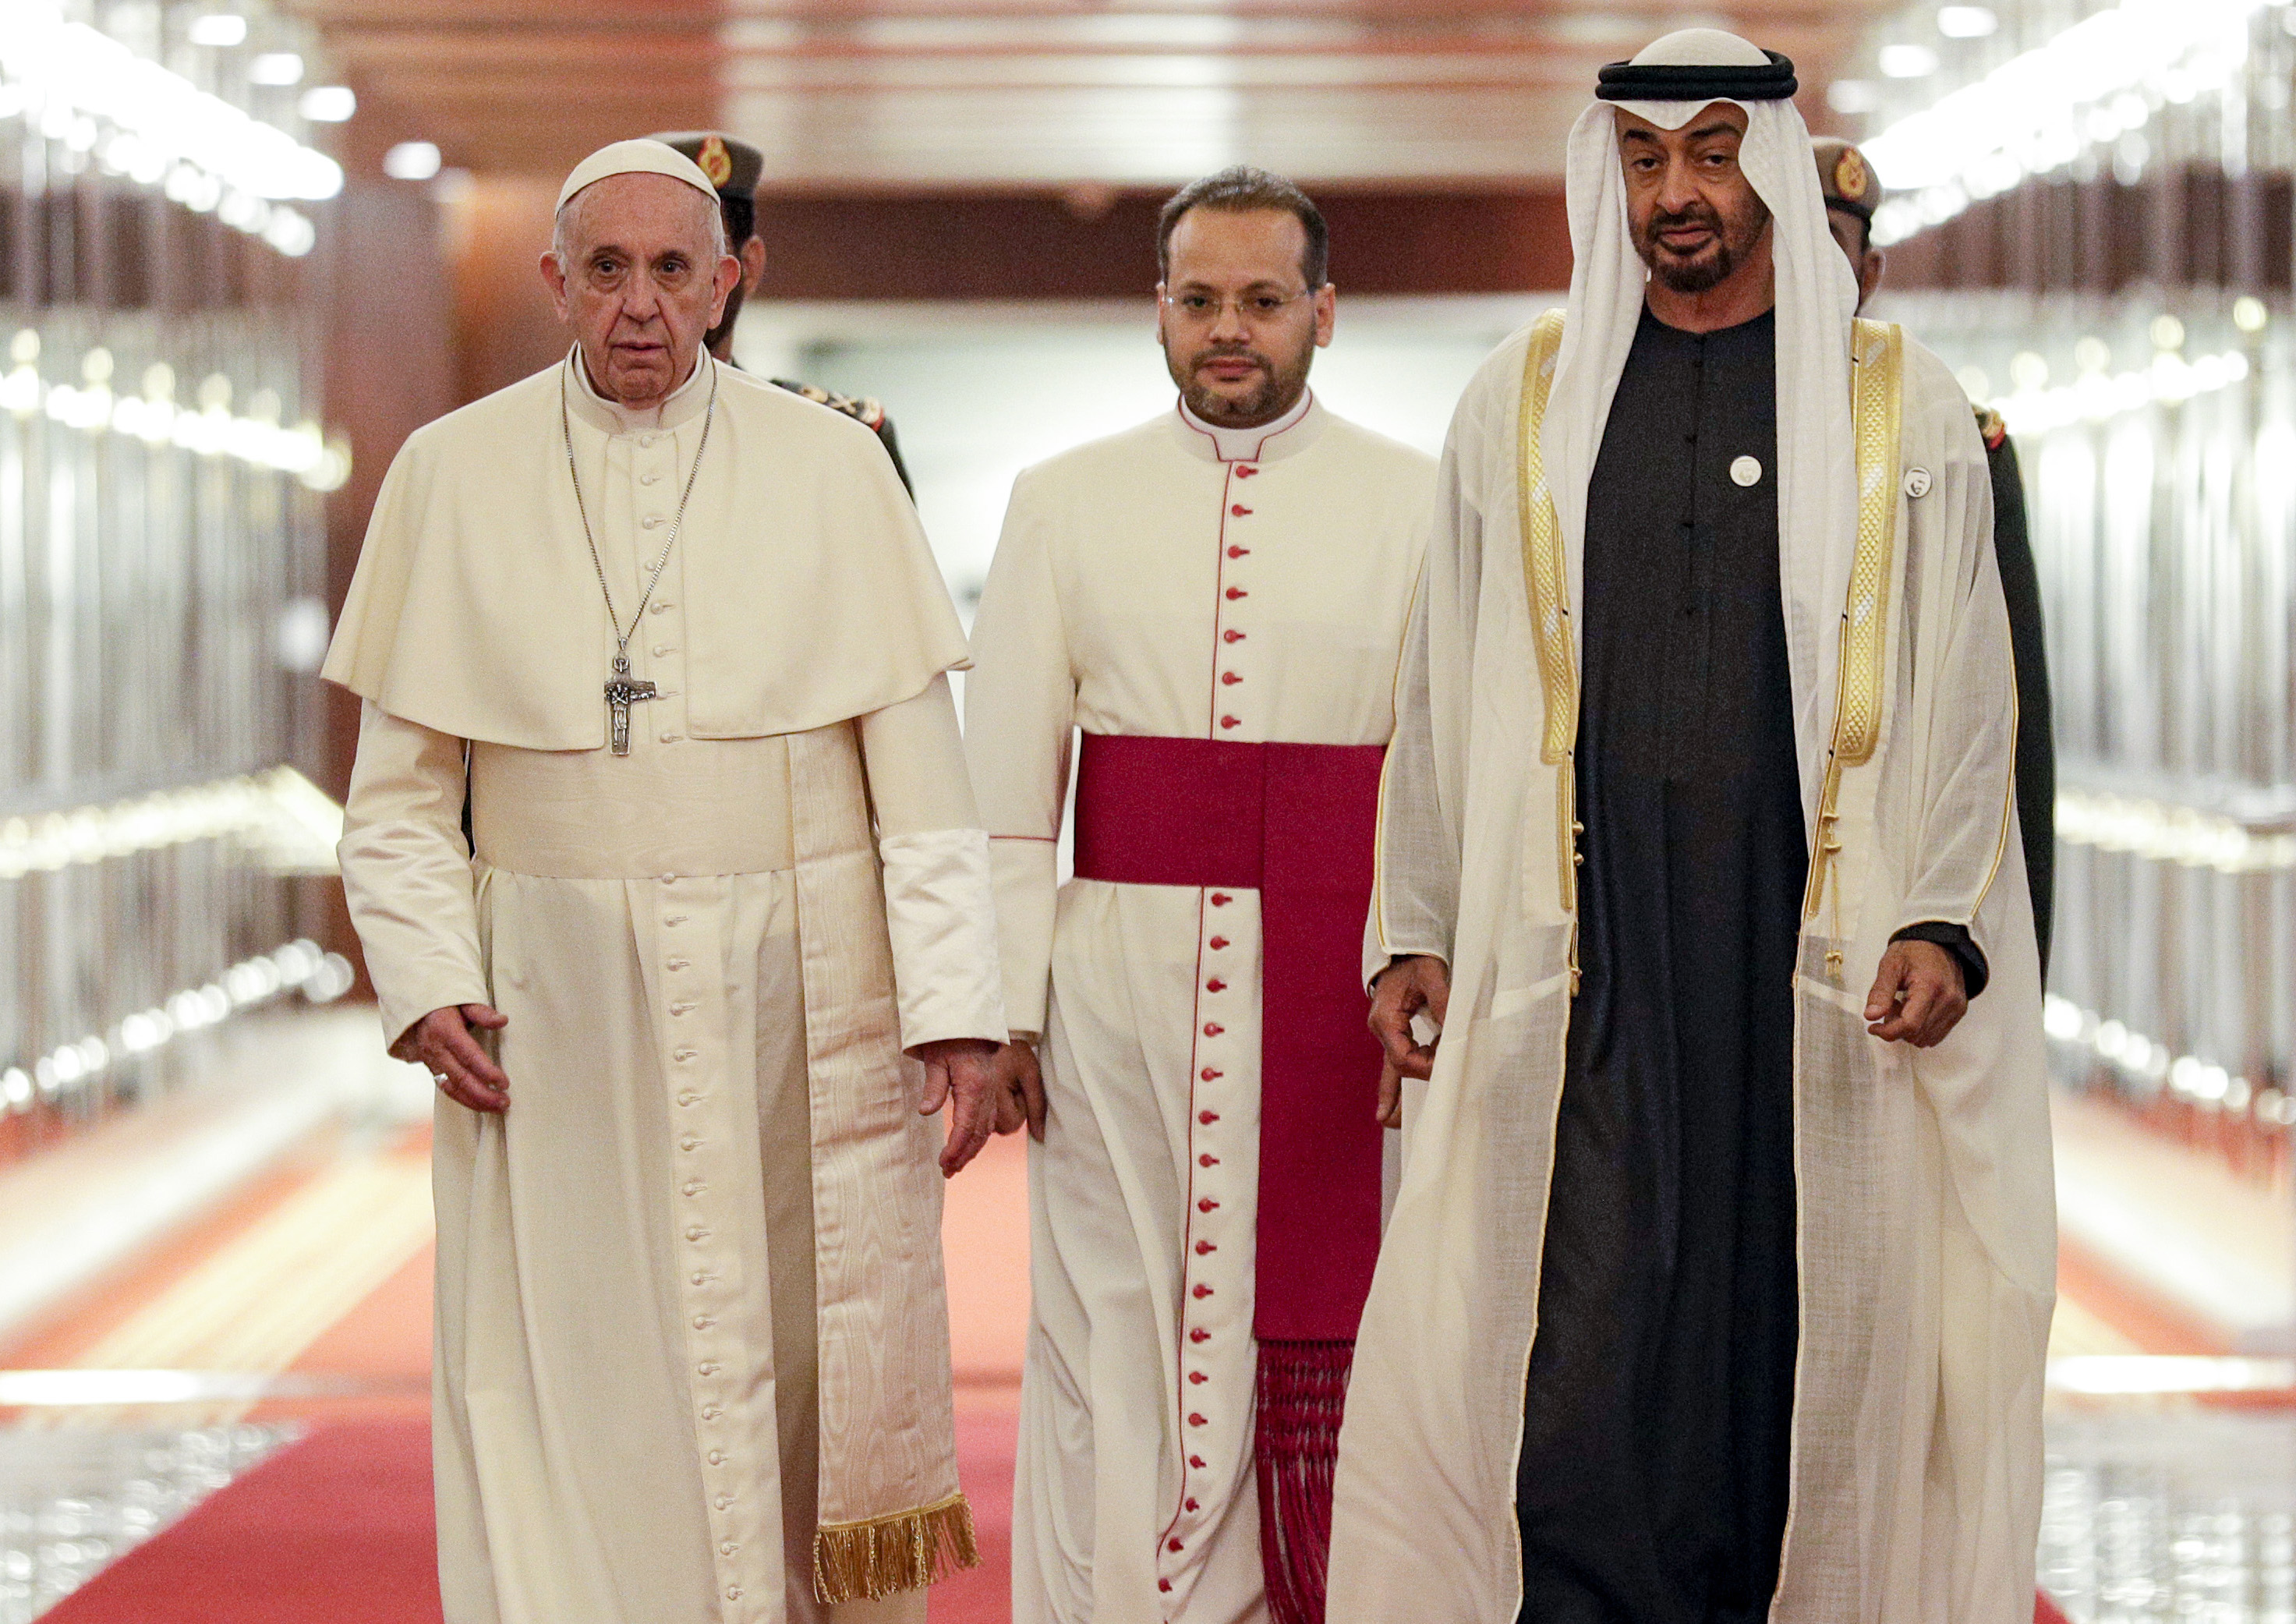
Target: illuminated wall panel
[{"x": 161, "y": 565}]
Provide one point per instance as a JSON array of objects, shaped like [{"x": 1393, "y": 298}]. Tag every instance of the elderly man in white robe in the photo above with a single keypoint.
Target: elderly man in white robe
[
  {"x": 1216, "y": 599},
  {"x": 1719, "y": 1279},
  {"x": 667, "y": 642}
]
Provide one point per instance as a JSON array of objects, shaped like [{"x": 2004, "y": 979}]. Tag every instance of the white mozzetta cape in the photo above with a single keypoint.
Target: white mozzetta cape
[
  {"x": 1927, "y": 1234},
  {"x": 475, "y": 610}
]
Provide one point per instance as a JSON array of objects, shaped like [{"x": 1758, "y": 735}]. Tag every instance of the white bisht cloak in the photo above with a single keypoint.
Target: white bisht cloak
[{"x": 1927, "y": 1243}]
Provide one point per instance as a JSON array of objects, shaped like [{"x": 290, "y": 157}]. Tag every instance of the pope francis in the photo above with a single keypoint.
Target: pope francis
[{"x": 662, "y": 850}]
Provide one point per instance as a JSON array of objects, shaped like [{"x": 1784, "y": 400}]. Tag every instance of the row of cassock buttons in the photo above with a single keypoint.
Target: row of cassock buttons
[{"x": 1209, "y": 1004}]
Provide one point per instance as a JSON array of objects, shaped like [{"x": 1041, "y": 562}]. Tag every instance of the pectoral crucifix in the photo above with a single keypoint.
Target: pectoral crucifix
[{"x": 622, "y": 691}]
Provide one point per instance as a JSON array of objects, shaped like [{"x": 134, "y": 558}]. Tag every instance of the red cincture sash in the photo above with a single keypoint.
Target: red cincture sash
[{"x": 1296, "y": 823}]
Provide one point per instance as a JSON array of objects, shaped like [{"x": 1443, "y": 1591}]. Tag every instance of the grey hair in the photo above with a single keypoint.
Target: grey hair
[{"x": 561, "y": 226}]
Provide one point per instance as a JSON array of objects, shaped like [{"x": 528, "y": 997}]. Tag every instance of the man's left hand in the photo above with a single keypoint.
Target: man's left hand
[
  {"x": 1918, "y": 996},
  {"x": 961, "y": 1070}
]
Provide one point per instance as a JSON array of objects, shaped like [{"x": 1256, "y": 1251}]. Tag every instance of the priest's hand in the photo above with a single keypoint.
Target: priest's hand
[
  {"x": 1020, "y": 1090},
  {"x": 1417, "y": 982},
  {"x": 443, "y": 1045},
  {"x": 960, "y": 1073},
  {"x": 1918, "y": 996}
]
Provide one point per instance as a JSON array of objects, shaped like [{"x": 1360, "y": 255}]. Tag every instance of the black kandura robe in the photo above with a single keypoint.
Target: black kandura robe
[{"x": 1654, "y": 1478}]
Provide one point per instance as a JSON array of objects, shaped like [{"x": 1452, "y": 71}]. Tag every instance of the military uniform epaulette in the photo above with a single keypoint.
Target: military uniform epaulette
[
  {"x": 862, "y": 409},
  {"x": 1990, "y": 426}
]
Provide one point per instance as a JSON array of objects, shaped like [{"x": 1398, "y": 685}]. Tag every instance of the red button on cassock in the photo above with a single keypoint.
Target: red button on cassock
[
  {"x": 1197, "y": 1461},
  {"x": 1244, "y": 470},
  {"x": 1239, "y": 552},
  {"x": 1239, "y": 510},
  {"x": 1212, "y": 1074},
  {"x": 1193, "y": 1506},
  {"x": 1220, "y": 899},
  {"x": 1213, "y": 1029},
  {"x": 1232, "y": 636},
  {"x": 1231, "y": 721},
  {"x": 1202, "y": 1291},
  {"x": 1197, "y": 1378},
  {"x": 1218, "y": 943},
  {"x": 1207, "y": 1160},
  {"x": 1207, "y": 1117},
  {"x": 1216, "y": 985},
  {"x": 1234, "y": 593},
  {"x": 1207, "y": 1205},
  {"x": 1197, "y": 1421},
  {"x": 1200, "y": 1335},
  {"x": 1230, "y": 678},
  {"x": 1204, "y": 1246},
  {"x": 1163, "y": 1583},
  {"x": 1174, "y": 1544}
]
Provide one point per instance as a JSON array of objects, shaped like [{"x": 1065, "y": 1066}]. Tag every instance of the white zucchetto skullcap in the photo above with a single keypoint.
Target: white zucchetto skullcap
[{"x": 635, "y": 157}]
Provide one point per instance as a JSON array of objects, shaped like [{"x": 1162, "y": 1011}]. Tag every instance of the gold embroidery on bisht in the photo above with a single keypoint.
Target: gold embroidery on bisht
[
  {"x": 1549, "y": 596},
  {"x": 1877, "y": 364}
]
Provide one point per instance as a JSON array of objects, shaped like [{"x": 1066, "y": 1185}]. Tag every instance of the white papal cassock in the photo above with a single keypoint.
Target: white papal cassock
[
  {"x": 1165, "y": 584},
  {"x": 692, "y": 1335}
]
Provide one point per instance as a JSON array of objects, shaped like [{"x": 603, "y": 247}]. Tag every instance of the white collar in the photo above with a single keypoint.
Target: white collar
[
  {"x": 1244, "y": 445},
  {"x": 674, "y": 408}
]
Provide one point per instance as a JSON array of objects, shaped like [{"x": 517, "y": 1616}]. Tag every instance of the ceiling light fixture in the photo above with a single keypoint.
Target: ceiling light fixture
[
  {"x": 412, "y": 161},
  {"x": 2090, "y": 85},
  {"x": 219, "y": 29},
  {"x": 1906, "y": 62},
  {"x": 1851, "y": 97},
  {"x": 1966, "y": 21},
  {"x": 328, "y": 103},
  {"x": 67, "y": 81},
  {"x": 275, "y": 68}
]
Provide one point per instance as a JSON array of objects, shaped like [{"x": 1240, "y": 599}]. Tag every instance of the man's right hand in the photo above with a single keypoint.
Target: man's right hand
[
  {"x": 442, "y": 1044},
  {"x": 1020, "y": 1089},
  {"x": 1415, "y": 982}
]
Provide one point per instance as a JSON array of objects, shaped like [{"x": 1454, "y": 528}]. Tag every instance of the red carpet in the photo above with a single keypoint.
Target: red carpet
[
  {"x": 336, "y": 1528},
  {"x": 988, "y": 1430}
]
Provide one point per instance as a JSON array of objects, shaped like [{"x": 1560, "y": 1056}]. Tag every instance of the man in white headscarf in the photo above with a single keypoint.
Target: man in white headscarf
[
  {"x": 1719, "y": 1281},
  {"x": 667, "y": 641}
]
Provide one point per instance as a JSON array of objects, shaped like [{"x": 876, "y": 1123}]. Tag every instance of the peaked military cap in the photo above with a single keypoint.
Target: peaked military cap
[
  {"x": 1845, "y": 177},
  {"x": 732, "y": 165}
]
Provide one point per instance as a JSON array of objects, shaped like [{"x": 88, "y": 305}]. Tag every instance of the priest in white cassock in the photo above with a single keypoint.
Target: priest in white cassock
[
  {"x": 667, "y": 641},
  {"x": 1216, "y": 599},
  {"x": 1719, "y": 1276}
]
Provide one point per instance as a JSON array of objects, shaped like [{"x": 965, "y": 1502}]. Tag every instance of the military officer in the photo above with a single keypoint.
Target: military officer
[
  {"x": 734, "y": 167},
  {"x": 1851, "y": 193}
]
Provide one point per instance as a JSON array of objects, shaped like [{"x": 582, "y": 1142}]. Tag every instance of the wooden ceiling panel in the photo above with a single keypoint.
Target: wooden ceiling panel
[{"x": 880, "y": 93}]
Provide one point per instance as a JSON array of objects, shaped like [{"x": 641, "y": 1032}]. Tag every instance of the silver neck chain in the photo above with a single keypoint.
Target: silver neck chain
[{"x": 566, "y": 429}]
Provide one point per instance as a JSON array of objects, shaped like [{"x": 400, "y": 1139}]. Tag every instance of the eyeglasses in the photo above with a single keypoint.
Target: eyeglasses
[{"x": 1201, "y": 309}]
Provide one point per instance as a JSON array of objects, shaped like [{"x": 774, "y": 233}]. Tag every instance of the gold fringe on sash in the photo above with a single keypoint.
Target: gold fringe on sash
[{"x": 885, "y": 1555}]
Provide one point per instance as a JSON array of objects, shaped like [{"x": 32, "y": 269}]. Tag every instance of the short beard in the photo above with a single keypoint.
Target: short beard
[
  {"x": 1733, "y": 241},
  {"x": 1279, "y": 388}
]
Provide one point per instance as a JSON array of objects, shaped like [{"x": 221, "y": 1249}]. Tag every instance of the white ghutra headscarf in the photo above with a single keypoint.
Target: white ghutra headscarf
[{"x": 1669, "y": 82}]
